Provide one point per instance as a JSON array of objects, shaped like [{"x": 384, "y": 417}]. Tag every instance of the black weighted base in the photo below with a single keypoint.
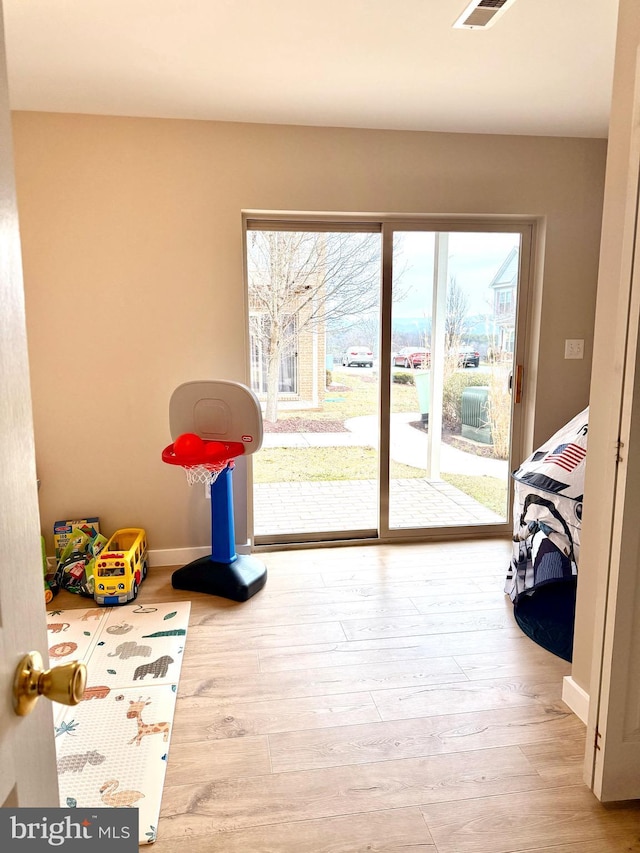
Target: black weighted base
[{"x": 238, "y": 580}]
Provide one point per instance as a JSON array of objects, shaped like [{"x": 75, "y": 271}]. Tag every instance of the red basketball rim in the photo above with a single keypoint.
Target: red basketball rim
[{"x": 221, "y": 453}]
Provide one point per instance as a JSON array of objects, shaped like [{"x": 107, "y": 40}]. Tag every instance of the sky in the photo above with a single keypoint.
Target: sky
[{"x": 474, "y": 259}]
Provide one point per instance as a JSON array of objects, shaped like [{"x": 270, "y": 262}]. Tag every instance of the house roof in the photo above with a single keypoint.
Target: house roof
[
  {"x": 544, "y": 67},
  {"x": 507, "y": 274}
]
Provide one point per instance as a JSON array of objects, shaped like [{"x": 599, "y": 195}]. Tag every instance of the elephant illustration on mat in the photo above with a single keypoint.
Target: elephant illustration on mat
[
  {"x": 158, "y": 667},
  {"x": 76, "y": 762},
  {"x": 129, "y": 650}
]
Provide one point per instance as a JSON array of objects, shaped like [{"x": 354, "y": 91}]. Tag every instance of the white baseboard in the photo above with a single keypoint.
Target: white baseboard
[
  {"x": 182, "y": 556},
  {"x": 576, "y": 698}
]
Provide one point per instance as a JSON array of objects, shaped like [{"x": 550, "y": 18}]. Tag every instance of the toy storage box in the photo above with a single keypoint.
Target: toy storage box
[{"x": 62, "y": 532}]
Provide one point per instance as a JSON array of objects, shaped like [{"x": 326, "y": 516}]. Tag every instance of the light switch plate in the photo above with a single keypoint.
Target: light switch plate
[{"x": 574, "y": 348}]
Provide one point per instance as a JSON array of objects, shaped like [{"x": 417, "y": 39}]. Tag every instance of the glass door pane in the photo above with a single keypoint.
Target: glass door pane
[
  {"x": 454, "y": 309},
  {"x": 314, "y": 304}
]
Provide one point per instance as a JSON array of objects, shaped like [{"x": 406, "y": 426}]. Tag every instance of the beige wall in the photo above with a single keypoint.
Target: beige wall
[{"x": 132, "y": 248}]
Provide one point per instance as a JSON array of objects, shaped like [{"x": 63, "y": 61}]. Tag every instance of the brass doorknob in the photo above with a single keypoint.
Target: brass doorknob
[{"x": 64, "y": 684}]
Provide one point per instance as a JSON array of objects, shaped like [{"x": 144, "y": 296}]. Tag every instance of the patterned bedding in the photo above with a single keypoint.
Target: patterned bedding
[{"x": 547, "y": 511}]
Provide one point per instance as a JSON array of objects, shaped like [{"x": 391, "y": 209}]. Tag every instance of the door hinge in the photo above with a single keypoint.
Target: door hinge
[
  {"x": 619, "y": 446},
  {"x": 596, "y": 745}
]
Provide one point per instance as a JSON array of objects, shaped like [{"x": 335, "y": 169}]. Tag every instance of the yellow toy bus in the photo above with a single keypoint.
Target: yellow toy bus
[{"x": 121, "y": 567}]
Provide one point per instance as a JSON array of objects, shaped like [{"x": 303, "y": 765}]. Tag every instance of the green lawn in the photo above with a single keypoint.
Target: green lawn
[
  {"x": 358, "y": 396},
  {"x": 488, "y": 491},
  {"x": 313, "y": 464}
]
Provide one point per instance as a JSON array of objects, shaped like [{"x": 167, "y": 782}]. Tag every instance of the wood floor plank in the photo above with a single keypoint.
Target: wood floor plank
[
  {"x": 559, "y": 762},
  {"x": 394, "y": 831},
  {"x": 527, "y": 661},
  {"x": 203, "y": 718},
  {"x": 365, "y": 652},
  {"x": 313, "y": 794},
  {"x": 307, "y": 614},
  {"x": 211, "y": 658},
  {"x": 263, "y": 636},
  {"x": 617, "y": 840},
  {"x": 421, "y": 625},
  {"x": 570, "y": 816},
  {"x": 437, "y": 700},
  {"x": 204, "y": 761},
  {"x": 420, "y": 584},
  {"x": 416, "y": 552},
  {"x": 413, "y": 738},
  {"x": 427, "y": 595},
  {"x": 293, "y": 580},
  {"x": 458, "y": 602},
  {"x": 324, "y": 681},
  {"x": 489, "y": 572}
]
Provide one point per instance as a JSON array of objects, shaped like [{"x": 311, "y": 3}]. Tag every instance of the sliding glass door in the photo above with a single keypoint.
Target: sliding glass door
[
  {"x": 314, "y": 329},
  {"x": 451, "y": 408},
  {"x": 386, "y": 357}
]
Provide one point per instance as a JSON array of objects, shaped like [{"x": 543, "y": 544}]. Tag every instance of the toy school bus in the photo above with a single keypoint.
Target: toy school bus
[{"x": 121, "y": 567}]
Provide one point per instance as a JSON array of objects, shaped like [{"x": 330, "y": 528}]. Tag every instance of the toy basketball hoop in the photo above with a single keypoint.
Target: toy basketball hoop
[
  {"x": 211, "y": 423},
  {"x": 217, "y": 456}
]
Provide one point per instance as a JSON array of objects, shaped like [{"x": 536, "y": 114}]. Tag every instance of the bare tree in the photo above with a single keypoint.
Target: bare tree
[
  {"x": 300, "y": 279},
  {"x": 457, "y": 319}
]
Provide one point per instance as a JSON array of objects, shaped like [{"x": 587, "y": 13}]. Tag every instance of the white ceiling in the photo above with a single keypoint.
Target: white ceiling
[{"x": 544, "y": 67}]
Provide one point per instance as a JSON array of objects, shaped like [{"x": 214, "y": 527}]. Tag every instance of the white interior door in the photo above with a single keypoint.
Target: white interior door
[
  {"x": 615, "y": 719},
  {"x": 613, "y": 738},
  {"x": 27, "y": 751}
]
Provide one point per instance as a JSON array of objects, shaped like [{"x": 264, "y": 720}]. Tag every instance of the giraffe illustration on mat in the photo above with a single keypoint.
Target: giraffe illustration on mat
[{"x": 135, "y": 712}]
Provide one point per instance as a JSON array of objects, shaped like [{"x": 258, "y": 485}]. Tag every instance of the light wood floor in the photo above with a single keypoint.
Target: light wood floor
[{"x": 378, "y": 699}]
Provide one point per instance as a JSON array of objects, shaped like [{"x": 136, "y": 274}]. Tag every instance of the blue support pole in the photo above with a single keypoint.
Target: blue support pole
[
  {"x": 223, "y": 534},
  {"x": 224, "y": 573}
]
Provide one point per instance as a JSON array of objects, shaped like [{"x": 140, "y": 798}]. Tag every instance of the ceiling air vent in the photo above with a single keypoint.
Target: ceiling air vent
[{"x": 481, "y": 14}]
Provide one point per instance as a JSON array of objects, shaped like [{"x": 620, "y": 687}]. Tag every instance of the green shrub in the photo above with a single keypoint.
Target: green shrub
[
  {"x": 403, "y": 379},
  {"x": 500, "y": 411}
]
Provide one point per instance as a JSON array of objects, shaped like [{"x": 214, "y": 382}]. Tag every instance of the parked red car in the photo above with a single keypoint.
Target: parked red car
[{"x": 412, "y": 357}]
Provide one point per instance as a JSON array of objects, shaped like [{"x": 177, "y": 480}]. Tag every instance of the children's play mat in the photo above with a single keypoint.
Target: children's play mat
[{"x": 112, "y": 748}]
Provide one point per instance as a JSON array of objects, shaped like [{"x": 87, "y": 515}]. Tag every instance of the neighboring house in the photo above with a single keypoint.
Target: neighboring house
[
  {"x": 302, "y": 361},
  {"x": 504, "y": 285}
]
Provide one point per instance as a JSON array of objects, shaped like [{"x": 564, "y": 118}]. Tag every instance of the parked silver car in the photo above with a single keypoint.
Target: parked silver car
[{"x": 360, "y": 356}]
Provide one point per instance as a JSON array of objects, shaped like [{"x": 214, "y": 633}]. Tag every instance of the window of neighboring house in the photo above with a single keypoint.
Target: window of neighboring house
[
  {"x": 505, "y": 301},
  {"x": 259, "y": 337},
  {"x": 510, "y": 340}
]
